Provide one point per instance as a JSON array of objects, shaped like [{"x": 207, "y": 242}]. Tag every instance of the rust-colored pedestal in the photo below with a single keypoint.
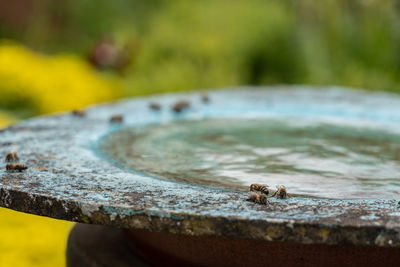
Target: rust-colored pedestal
[{"x": 92, "y": 245}]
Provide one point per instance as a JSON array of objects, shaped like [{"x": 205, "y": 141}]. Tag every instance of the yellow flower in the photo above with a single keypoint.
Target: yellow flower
[
  {"x": 5, "y": 119},
  {"x": 45, "y": 84}
]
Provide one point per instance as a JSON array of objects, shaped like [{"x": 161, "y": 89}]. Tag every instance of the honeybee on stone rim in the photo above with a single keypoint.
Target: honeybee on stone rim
[
  {"x": 258, "y": 198},
  {"x": 259, "y": 187},
  {"x": 12, "y": 156},
  {"x": 280, "y": 192},
  {"x": 180, "y": 105},
  {"x": 204, "y": 97},
  {"x": 16, "y": 167},
  {"x": 117, "y": 118},
  {"x": 79, "y": 112},
  {"x": 154, "y": 106}
]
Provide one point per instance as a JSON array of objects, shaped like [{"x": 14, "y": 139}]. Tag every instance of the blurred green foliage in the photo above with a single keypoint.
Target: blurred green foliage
[{"x": 182, "y": 45}]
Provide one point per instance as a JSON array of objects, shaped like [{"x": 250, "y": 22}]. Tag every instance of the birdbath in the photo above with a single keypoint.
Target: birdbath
[{"x": 163, "y": 186}]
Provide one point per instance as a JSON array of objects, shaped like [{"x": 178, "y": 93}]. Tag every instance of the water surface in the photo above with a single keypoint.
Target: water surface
[{"x": 319, "y": 159}]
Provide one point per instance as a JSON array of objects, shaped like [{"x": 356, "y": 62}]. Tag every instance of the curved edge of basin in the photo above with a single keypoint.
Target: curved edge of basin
[{"x": 67, "y": 180}]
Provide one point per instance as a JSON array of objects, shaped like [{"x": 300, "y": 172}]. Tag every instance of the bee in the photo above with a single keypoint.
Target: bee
[
  {"x": 259, "y": 187},
  {"x": 204, "y": 97},
  {"x": 16, "y": 167},
  {"x": 12, "y": 156},
  {"x": 180, "y": 105},
  {"x": 154, "y": 106},
  {"x": 79, "y": 112},
  {"x": 258, "y": 198},
  {"x": 280, "y": 192},
  {"x": 116, "y": 118}
]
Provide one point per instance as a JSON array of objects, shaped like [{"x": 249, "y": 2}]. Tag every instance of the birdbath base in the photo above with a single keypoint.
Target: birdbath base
[{"x": 94, "y": 245}]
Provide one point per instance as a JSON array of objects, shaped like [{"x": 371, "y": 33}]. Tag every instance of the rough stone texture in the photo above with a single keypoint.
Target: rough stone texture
[{"x": 69, "y": 179}]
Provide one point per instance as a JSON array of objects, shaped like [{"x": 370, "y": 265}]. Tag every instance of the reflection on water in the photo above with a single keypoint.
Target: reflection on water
[{"x": 317, "y": 160}]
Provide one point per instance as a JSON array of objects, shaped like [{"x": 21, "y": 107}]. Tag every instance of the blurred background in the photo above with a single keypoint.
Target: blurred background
[{"x": 66, "y": 54}]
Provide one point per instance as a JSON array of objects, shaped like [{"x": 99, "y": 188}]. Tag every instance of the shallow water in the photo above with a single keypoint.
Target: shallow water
[{"x": 319, "y": 159}]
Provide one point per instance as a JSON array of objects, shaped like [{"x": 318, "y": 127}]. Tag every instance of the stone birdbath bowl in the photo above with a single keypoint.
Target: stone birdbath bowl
[{"x": 165, "y": 187}]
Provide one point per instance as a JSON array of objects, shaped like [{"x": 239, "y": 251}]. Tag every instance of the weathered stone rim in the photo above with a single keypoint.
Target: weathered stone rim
[{"x": 66, "y": 180}]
